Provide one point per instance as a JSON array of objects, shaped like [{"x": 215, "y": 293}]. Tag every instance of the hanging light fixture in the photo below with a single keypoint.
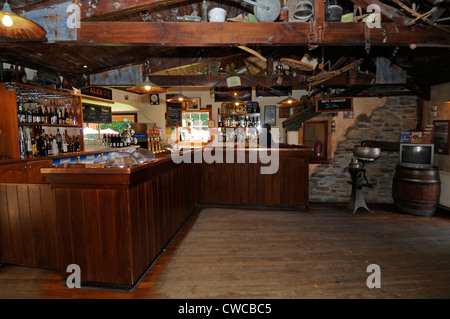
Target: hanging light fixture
[
  {"x": 237, "y": 101},
  {"x": 180, "y": 97},
  {"x": 17, "y": 28},
  {"x": 147, "y": 87},
  {"x": 289, "y": 101}
]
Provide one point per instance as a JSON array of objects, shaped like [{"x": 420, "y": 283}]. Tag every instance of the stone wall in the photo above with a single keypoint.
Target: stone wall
[{"x": 329, "y": 183}]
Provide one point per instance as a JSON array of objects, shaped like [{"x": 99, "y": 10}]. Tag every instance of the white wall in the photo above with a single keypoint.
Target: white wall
[{"x": 156, "y": 113}]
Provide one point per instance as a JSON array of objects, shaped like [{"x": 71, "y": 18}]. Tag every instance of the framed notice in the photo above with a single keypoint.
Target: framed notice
[
  {"x": 334, "y": 104},
  {"x": 270, "y": 115},
  {"x": 441, "y": 140}
]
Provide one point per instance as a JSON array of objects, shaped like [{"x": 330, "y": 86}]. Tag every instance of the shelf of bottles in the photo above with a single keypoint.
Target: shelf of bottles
[
  {"x": 239, "y": 122},
  {"x": 49, "y": 121}
]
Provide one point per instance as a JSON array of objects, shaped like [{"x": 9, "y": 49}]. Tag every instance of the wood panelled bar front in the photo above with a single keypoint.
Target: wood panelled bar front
[{"x": 114, "y": 222}]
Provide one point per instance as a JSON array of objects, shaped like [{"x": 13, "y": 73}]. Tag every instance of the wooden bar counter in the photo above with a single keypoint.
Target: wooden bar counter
[{"x": 114, "y": 222}]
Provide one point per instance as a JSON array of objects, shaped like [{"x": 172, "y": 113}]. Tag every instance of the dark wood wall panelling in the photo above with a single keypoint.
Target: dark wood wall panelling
[
  {"x": 115, "y": 234},
  {"x": 28, "y": 230}
]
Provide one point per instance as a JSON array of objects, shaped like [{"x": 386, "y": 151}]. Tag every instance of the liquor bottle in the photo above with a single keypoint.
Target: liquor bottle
[
  {"x": 19, "y": 112},
  {"x": 29, "y": 114},
  {"x": 23, "y": 152},
  {"x": 34, "y": 136},
  {"x": 59, "y": 140},
  {"x": 76, "y": 146},
  {"x": 284, "y": 13},
  {"x": 70, "y": 146},
  {"x": 50, "y": 145},
  {"x": 55, "y": 116},
  {"x": 44, "y": 150},
  {"x": 64, "y": 143},
  {"x": 51, "y": 116},
  {"x": 120, "y": 141},
  {"x": 60, "y": 117},
  {"x": 54, "y": 147},
  {"x": 28, "y": 143},
  {"x": 67, "y": 117},
  {"x": 33, "y": 113},
  {"x": 40, "y": 114},
  {"x": 46, "y": 115}
]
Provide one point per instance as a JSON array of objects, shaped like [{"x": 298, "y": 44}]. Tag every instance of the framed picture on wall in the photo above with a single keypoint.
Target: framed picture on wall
[
  {"x": 441, "y": 140},
  {"x": 193, "y": 106},
  {"x": 270, "y": 115}
]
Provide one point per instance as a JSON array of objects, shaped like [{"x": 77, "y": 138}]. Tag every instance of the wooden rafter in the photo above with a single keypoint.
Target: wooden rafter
[
  {"x": 387, "y": 13},
  {"x": 419, "y": 16},
  {"x": 268, "y": 33}
]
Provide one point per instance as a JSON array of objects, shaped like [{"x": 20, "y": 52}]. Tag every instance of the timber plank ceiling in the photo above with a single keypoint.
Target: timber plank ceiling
[{"x": 113, "y": 35}]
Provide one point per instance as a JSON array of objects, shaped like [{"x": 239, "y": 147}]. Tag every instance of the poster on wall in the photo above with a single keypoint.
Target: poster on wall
[
  {"x": 270, "y": 115},
  {"x": 441, "y": 140}
]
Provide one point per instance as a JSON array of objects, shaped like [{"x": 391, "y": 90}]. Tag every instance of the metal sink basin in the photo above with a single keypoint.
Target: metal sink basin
[{"x": 365, "y": 153}]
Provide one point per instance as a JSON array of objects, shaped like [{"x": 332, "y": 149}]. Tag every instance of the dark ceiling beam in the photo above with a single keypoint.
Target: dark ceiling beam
[
  {"x": 191, "y": 34},
  {"x": 97, "y": 9},
  {"x": 342, "y": 80}
]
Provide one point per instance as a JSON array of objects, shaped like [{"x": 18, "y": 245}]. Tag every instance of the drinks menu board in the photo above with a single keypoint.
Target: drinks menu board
[
  {"x": 173, "y": 115},
  {"x": 335, "y": 104},
  {"x": 96, "y": 114}
]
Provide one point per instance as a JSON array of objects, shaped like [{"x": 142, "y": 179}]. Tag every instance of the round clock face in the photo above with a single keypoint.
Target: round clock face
[{"x": 154, "y": 98}]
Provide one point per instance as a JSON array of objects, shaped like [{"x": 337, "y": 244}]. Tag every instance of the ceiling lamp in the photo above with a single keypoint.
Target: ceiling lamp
[
  {"x": 147, "y": 87},
  {"x": 289, "y": 101},
  {"x": 238, "y": 102},
  {"x": 180, "y": 98},
  {"x": 15, "y": 27}
]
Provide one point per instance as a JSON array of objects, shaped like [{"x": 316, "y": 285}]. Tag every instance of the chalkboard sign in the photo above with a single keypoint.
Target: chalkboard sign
[
  {"x": 334, "y": 104},
  {"x": 96, "y": 114},
  {"x": 173, "y": 115}
]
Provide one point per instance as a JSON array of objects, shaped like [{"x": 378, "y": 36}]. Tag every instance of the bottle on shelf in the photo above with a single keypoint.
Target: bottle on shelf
[
  {"x": 284, "y": 13},
  {"x": 28, "y": 143},
  {"x": 67, "y": 118},
  {"x": 20, "y": 113},
  {"x": 55, "y": 149},
  {"x": 77, "y": 146},
  {"x": 59, "y": 140},
  {"x": 23, "y": 153},
  {"x": 50, "y": 145},
  {"x": 60, "y": 116},
  {"x": 204, "y": 11},
  {"x": 70, "y": 146}
]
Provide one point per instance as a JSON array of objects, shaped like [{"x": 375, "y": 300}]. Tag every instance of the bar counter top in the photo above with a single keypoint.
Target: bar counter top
[{"x": 10, "y": 161}]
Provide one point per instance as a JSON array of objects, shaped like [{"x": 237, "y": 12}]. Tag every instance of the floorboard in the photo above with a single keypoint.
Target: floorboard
[{"x": 319, "y": 253}]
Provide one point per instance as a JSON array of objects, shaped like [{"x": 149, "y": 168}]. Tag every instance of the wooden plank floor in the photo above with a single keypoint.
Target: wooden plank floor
[{"x": 320, "y": 253}]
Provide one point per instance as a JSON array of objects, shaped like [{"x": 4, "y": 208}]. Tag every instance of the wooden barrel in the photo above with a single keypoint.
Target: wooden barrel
[{"x": 416, "y": 191}]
